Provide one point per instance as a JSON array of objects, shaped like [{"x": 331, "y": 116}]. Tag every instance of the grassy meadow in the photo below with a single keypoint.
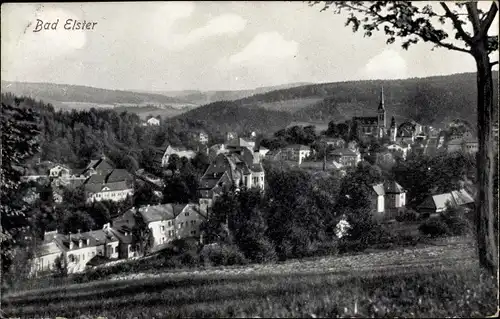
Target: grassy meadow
[{"x": 434, "y": 281}]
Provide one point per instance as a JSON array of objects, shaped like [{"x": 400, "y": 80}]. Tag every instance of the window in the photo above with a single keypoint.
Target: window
[
  {"x": 93, "y": 253},
  {"x": 193, "y": 222},
  {"x": 83, "y": 256},
  {"x": 116, "y": 249},
  {"x": 169, "y": 223},
  {"x": 193, "y": 232},
  {"x": 186, "y": 214},
  {"x": 162, "y": 228}
]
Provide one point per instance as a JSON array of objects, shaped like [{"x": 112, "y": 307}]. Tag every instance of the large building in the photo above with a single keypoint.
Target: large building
[
  {"x": 166, "y": 222},
  {"x": 374, "y": 125},
  {"x": 163, "y": 157},
  {"x": 240, "y": 167},
  {"x": 75, "y": 250}
]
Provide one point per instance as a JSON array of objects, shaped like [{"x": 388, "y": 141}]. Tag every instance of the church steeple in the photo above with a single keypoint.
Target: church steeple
[{"x": 381, "y": 106}]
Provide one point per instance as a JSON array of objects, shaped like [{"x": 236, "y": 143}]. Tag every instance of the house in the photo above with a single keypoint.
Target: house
[
  {"x": 466, "y": 144},
  {"x": 123, "y": 231},
  {"x": 153, "y": 121},
  {"x": 76, "y": 249},
  {"x": 406, "y": 132},
  {"x": 335, "y": 142},
  {"x": 199, "y": 136},
  {"x": 273, "y": 155},
  {"x": 346, "y": 157},
  {"x": 434, "y": 204},
  {"x": 104, "y": 182},
  {"x": 296, "y": 153},
  {"x": 171, "y": 150},
  {"x": 240, "y": 167},
  {"x": 390, "y": 199},
  {"x": 46, "y": 255},
  {"x": 59, "y": 171},
  {"x": 238, "y": 143},
  {"x": 231, "y": 136},
  {"x": 403, "y": 149},
  {"x": 113, "y": 191},
  {"x": 166, "y": 222}
]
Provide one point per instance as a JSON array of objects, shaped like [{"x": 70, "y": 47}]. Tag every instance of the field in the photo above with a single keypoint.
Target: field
[{"x": 437, "y": 280}]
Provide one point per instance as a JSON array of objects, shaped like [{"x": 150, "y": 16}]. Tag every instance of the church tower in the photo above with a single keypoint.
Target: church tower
[
  {"x": 393, "y": 130},
  {"x": 381, "y": 116}
]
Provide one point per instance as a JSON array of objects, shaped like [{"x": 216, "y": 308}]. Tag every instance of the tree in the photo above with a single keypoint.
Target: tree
[
  {"x": 413, "y": 23},
  {"x": 19, "y": 143}
]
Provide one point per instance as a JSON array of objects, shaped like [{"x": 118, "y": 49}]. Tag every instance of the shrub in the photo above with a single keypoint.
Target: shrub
[
  {"x": 408, "y": 216},
  {"x": 434, "y": 227},
  {"x": 456, "y": 221},
  {"x": 221, "y": 255}
]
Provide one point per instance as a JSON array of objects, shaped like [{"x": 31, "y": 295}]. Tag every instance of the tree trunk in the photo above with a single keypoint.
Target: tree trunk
[{"x": 485, "y": 217}]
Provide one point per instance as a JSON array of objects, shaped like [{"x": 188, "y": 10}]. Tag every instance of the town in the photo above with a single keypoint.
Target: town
[
  {"x": 237, "y": 164},
  {"x": 331, "y": 159}
]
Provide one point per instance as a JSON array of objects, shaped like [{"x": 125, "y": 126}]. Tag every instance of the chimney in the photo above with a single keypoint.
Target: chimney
[
  {"x": 71, "y": 245},
  {"x": 80, "y": 243}
]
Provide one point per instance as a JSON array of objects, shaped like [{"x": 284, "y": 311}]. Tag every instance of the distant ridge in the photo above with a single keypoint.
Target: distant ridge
[{"x": 64, "y": 93}]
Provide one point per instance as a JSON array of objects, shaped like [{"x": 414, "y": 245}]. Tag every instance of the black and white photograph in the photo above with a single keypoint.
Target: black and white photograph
[{"x": 249, "y": 159}]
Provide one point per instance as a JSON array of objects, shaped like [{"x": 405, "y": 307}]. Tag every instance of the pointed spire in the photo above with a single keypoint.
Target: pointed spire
[{"x": 381, "y": 106}]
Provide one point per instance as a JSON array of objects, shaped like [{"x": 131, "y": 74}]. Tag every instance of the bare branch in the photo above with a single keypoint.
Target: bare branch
[
  {"x": 456, "y": 22},
  {"x": 486, "y": 24}
]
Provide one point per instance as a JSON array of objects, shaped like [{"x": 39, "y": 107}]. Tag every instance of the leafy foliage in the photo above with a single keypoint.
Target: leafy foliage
[{"x": 19, "y": 143}]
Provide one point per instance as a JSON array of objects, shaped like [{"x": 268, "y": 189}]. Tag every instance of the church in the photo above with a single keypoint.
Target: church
[{"x": 375, "y": 125}]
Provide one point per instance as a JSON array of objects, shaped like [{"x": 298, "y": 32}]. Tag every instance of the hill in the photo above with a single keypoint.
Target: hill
[
  {"x": 226, "y": 116},
  {"x": 205, "y": 97},
  {"x": 430, "y": 100},
  {"x": 64, "y": 96}
]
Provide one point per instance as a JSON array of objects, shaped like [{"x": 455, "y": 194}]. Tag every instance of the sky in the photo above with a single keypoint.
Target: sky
[{"x": 163, "y": 46}]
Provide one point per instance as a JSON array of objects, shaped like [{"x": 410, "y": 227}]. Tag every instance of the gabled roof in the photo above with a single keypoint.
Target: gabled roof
[
  {"x": 344, "y": 152},
  {"x": 379, "y": 189},
  {"x": 48, "y": 249},
  {"x": 96, "y": 179},
  {"x": 156, "y": 213},
  {"x": 108, "y": 187},
  {"x": 118, "y": 175},
  {"x": 240, "y": 142},
  {"x": 95, "y": 238},
  {"x": 388, "y": 187},
  {"x": 455, "y": 198},
  {"x": 392, "y": 187}
]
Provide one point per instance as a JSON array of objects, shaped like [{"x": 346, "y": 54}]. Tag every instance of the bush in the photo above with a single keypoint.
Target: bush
[
  {"x": 408, "y": 216},
  {"x": 434, "y": 227},
  {"x": 222, "y": 255},
  {"x": 457, "y": 222}
]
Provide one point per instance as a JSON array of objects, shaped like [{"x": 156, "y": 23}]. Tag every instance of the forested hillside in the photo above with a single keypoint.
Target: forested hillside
[
  {"x": 76, "y": 137},
  {"x": 223, "y": 116},
  {"x": 85, "y": 94},
  {"x": 429, "y": 100}
]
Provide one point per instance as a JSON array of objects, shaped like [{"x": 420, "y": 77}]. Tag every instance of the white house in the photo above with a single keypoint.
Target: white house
[
  {"x": 75, "y": 249},
  {"x": 296, "y": 152},
  {"x": 390, "y": 199},
  {"x": 59, "y": 171},
  {"x": 166, "y": 222},
  {"x": 397, "y": 148},
  {"x": 153, "y": 121},
  {"x": 179, "y": 151},
  {"x": 114, "y": 191}
]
